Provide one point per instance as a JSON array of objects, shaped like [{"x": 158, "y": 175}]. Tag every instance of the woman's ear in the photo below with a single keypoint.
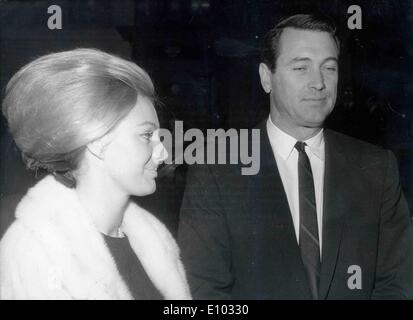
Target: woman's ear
[
  {"x": 265, "y": 76},
  {"x": 96, "y": 149}
]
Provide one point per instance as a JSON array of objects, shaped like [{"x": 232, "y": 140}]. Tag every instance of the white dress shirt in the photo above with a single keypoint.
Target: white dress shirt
[{"x": 286, "y": 156}]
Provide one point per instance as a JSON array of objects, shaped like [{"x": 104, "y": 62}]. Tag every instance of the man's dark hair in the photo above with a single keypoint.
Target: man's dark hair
[{"x": 271, "y": 43}]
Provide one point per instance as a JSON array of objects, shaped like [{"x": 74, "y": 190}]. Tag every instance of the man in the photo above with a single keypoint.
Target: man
[{"x": 324, "y": 218}]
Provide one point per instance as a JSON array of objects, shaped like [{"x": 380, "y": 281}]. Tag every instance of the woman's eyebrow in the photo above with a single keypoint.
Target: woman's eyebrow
[{"x": 148, "y": 123}]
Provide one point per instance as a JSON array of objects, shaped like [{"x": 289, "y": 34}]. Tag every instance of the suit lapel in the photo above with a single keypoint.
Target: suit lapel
[
  {"x": 266, "y": 195},
  {"x": 337, "y": 194}
]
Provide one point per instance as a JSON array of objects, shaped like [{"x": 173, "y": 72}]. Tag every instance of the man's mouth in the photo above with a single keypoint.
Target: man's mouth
[{"x": 315, "y": 99}]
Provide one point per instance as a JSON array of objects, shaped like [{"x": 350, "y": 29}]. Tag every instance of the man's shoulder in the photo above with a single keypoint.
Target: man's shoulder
[
  {"x": 355, "y": 149},
  {"x": 352, "y": 143}
]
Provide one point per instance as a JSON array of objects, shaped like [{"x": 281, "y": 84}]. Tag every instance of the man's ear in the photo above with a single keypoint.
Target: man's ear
[{"x": 265, "y": 76}]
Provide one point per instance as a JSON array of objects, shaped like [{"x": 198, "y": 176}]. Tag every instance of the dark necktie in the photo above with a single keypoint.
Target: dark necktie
[{"x": 309, "y": 245}]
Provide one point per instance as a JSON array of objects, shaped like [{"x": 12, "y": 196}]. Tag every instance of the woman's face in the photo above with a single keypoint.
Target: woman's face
[{"x": 134, "y": 152}]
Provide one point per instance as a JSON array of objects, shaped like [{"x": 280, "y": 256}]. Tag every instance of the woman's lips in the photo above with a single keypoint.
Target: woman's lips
[{"x": 152, "y": 171}]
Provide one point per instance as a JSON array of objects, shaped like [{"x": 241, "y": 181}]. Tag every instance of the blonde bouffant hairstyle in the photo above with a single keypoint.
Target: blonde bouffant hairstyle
[{"x": 60, "y": 102}]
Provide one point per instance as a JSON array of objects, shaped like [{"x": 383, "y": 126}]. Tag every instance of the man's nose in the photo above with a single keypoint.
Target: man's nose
[
  {"x": 317, "y": 80},
  {"x": 159, "y": 153}
]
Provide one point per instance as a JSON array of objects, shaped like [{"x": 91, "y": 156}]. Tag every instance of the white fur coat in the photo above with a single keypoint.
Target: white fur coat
[{"x": 53, "y": 251}]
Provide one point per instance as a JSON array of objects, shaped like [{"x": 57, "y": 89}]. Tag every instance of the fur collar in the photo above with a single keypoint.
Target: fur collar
[{"x": 53, "y": 232}]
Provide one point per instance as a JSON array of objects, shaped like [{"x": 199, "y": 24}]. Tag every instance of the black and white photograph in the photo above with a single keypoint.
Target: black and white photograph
[{"x": 225, "y": 151}]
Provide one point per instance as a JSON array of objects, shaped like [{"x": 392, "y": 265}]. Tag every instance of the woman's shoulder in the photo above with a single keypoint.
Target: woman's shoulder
[
  {"x": 34, "y": 227},
  {"x": 27, "y": 267},
  {"x": 8, "y": 204},
  {"x": 24, "y": 237},
  {"x": 21, "y": 251},
  {"x": 16, "y": 235}
]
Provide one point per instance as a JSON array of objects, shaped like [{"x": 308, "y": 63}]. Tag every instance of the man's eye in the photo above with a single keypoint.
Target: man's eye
[
  {"x": 300, "y": 68},
  {"x": 331, "y": 68}
]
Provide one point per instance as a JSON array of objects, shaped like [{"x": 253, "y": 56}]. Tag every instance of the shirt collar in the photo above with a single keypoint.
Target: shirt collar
[{"x": 285, "y": 143}]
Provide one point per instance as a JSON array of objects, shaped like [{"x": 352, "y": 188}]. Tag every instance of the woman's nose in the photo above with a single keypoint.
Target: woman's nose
[{"x": 159, "y": 153}]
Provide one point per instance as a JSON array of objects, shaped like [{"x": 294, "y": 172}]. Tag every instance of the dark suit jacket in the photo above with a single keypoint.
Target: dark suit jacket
[{"x": 237, "y": 237}]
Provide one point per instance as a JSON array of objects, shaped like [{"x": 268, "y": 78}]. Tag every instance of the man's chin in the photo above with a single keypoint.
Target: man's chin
[
  {"x": 316, "y": 120},
  {"x": 313, "y": 123}
]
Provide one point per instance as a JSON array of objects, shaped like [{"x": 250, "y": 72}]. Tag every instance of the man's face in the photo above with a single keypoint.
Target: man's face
[{"x": 304, "y": 85}]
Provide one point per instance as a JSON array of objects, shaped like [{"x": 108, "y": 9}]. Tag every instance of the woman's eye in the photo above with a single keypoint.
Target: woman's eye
[{"x": 147, "y": 135}]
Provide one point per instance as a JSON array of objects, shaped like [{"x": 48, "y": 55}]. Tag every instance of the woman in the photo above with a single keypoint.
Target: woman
[{"x": 88, "y": 118}]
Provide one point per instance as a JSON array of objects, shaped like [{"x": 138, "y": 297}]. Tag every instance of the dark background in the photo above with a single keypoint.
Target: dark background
[{"x": 203, "y": 57}]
